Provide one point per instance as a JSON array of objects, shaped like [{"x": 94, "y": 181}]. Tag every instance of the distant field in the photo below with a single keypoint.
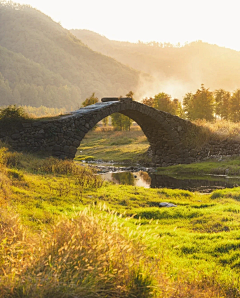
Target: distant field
[{"x": 117, "y": 146}]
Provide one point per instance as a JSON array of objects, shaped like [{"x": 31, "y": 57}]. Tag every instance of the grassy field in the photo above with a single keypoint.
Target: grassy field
[
  {"x": 117, "y": 146},
  {"x": 66, "y": 233},
  {"x": 227, "y": 166}
]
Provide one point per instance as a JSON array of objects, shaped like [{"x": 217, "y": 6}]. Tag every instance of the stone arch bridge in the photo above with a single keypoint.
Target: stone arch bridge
[{"x": 172, "y": 140}]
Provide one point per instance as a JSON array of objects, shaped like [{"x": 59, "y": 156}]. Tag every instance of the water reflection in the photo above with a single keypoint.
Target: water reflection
[
  {"x": 204, "y": 184},
  {"x": 129, "y": 178},
  {"x": 123, "y": 178}
]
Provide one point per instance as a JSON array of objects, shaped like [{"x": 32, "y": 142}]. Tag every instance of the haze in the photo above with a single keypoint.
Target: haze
[{"x": 173, "y": 21}]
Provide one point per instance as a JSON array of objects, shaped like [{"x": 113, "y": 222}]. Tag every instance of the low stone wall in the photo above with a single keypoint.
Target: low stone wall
[
  {"x": 172, "y": 139},
  {"x": 219, "y": 148},
  {"x": 51, "y": 137}
]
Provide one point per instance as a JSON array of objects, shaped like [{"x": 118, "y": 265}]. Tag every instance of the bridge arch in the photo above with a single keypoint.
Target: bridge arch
[
  {"x": 172, "y": 140},
  {"x": 167, "y": 134}
]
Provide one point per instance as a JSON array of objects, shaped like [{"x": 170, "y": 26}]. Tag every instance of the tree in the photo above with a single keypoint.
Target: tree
[
  {"x": 148, "y": 102},
  {"x": 188, "y": 105},
  {"x": 90, "y": 100},
  {"x": 222, "y": 103},
  {"x": 127, "y": 122},
  {"x": 199, "y": 105},
  {"x": 235, "y": 106},
  {"x": 130, "y": 94},
  {"x": 117, "y": 121},
  {"x": 120, "y": 121},
  {"x": 105, "y": 121},
  {"x": 163, "y": 102},
  {"x": 178, "y": 109}
]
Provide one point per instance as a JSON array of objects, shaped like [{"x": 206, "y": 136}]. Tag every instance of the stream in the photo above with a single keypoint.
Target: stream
[{"x": 147, "y": 177}]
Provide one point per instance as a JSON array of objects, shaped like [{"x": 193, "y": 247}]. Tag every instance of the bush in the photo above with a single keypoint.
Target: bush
[
  {"x": 8, "y": 158},
  {"x": 13, "y": 113},
  {"x": 84, "y": 177}
]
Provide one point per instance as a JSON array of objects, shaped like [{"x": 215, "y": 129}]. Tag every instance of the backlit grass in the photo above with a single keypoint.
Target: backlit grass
[
  {"x": 117, "y": 146},
  {"x": 65, "y": 233},
  {"x": 223, "y": 128}
]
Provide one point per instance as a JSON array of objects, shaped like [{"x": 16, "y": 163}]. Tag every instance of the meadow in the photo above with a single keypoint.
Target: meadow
[
  {"x": 119, "y": 146},
  {"x": 66, "y": 233}
]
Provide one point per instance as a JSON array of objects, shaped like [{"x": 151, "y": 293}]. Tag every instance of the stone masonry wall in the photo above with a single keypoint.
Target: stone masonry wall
[{"x": 172, "y": 139}]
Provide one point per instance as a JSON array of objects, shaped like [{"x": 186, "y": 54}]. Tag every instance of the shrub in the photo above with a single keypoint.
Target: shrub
[
  {"x": 84, "y": 177},
  {"x": 13, "y": 113},
  {"x": 8, "y": 158}
]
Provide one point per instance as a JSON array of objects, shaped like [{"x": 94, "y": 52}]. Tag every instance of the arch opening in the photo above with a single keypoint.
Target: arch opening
[
  {"x": 108, "y": 145},
  {"x": 156, "y": 129}
]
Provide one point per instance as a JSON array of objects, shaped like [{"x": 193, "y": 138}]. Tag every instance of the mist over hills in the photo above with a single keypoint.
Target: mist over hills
[
  {"x": 177, "y": 70},
  {"x": 41, "y": 63}
]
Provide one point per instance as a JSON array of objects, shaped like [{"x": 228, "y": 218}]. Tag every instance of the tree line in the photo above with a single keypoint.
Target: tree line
[{"x": 203, "y": 104}]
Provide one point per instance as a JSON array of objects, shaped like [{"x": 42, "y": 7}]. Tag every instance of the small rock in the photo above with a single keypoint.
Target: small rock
[{"x": 164, "y": 204}]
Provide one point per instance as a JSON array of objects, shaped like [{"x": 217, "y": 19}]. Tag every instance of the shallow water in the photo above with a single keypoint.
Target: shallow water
[
  {"x": 204, "y": 184},
  {"x": 147, "y": 177}
]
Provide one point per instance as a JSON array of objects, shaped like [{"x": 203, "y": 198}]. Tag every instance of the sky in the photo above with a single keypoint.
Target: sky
[{"x": 215, "y": 22}]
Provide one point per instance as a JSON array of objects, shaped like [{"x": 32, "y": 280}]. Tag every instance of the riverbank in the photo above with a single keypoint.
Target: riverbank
[
  {"x": 65, "y": 232},
  {"x": 220, "y": 165},
  {"x": 129, "y": 148}
]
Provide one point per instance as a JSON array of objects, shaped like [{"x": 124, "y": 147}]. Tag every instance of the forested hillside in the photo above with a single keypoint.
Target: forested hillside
[
  {"x": 42, "y": 63},
  {"x": 177, "y": 70},
  {"x": 26, "y": 82}
]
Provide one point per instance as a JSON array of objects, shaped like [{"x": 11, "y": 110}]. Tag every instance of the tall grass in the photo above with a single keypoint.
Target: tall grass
[
  {"x": 92, "y": 255},
  {"x": 223, "y": 128},
  {"x": 43, "y": 111},
  {"x": 83, "y": 257},
  {"x": 35, "y": 112},
  {"x": 48, "y": 248}
]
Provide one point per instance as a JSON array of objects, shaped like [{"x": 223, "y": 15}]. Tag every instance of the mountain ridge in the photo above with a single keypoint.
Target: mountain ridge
[
  {"x": 186, "y": 67},
  {"x": 27, "y": 31}
]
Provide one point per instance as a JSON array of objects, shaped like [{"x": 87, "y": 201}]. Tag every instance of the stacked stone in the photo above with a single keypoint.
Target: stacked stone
[{"x": 172, "y": 140}]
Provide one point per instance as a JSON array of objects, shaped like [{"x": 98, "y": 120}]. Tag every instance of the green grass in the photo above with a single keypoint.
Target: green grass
[
  {"x": 228, "y": 166},
  {"x": 120, "y": 146},
  {"x": 65, "y": 233}
]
